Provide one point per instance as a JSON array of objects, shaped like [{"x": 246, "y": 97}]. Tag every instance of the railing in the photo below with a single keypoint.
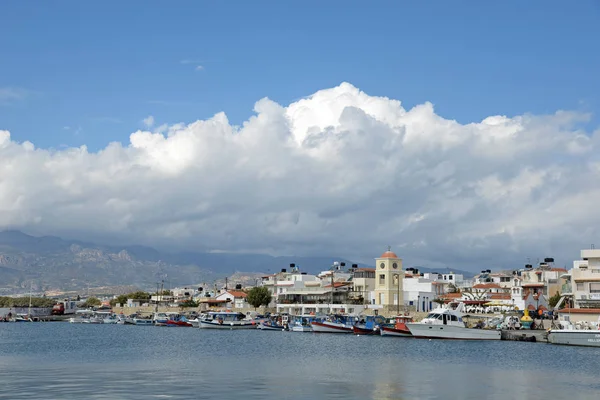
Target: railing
[{"x": 321, "y": 302}]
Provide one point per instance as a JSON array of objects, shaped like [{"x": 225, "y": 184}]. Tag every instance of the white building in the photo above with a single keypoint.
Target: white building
[
  {"x": 585, "y": 277},
  {"x": 234, "y": 299},
  {"x": 420, "y": 291}
]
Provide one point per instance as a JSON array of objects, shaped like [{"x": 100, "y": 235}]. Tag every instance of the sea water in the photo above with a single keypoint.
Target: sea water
[{"x": 67, "y": 361}]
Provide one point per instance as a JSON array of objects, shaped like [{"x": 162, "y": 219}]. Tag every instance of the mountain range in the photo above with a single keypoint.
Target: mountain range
[{"x": 50, "y": 263}]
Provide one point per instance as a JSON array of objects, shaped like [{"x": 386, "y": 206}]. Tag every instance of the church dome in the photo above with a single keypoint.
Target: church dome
[{"x": 389, "y": 254}]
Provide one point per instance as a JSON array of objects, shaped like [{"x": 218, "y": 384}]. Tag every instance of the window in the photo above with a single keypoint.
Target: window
[
  {"x": 594, "y": 287},
  {"x": 580, "y": 287},
  {"x": 382, "y": 279},
  {"x": 453, "y": 318},
  {"x": 395, "y": 299},
  {"x": 449, "y": 277}
]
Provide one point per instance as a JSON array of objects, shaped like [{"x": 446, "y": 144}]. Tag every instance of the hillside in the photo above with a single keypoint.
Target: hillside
[{"x": 51, "y": 263}]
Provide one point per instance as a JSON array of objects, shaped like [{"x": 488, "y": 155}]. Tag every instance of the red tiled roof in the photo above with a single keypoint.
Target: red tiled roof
[
  {"x": 487, "y": 286},
  {"x": 237, "y": 293},
  {"x": 339, "y": 284},
  {"x": 558, "y": 269},
  {"x": 389, "y": 254},
  {"x": 580, "y": 311},
  {"x": 500, "y": 296},
  {"x": 452, "y": 295}
]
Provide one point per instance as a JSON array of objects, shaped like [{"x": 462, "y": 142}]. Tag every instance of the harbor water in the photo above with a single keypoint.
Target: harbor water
[{"x": 66, "y": 361}]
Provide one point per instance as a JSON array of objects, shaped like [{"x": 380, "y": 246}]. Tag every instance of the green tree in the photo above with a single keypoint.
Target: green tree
[
  {"x": 92, "y": 302},
  {"x": 139, "y": 295},
  {"x": 122, "y": 299},
  {"x": 259, "y": 296},
  {"x": 24, "y": 302},
  {"x": 553, "y": 301},
  {"x": 189, "y": 303}
]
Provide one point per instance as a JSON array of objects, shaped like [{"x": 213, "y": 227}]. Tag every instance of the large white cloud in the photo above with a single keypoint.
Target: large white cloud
[{"x": 338, "y": 173}]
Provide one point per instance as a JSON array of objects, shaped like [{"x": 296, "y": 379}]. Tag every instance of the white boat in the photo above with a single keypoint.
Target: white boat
[
  {"x": 574, "y": 337},
  {"x": 226, "y": 320},
  {"x": 23, "y": 318},
  {"x": 301, "y": 323},
  {"x": 447, "y": 323},
  {"x": 160, "y": 318},
  {"x": 86, "y": 317},
  {"x": 143, "y": 321},
  {"x": 578, "y": 334},
  {"x": 334, "y": 324},
  {"x": 107, "y": 317}
]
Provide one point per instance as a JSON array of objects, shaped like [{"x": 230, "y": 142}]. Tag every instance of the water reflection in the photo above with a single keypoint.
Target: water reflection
[{"x": 63, "y": 361}]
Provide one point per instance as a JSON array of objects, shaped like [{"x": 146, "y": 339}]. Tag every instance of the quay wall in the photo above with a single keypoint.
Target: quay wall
[
  {"x": 150, "y": 309},
  {"x": 35, "y": 311}
]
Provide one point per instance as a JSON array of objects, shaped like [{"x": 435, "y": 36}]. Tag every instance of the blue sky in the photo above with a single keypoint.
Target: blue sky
[{"x": 99, "y": 69}]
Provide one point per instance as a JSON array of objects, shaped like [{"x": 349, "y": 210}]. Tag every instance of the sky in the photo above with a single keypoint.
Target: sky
[{"x": 462, "y": 134}]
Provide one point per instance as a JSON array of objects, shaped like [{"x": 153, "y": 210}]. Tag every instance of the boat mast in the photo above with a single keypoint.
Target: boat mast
[
  {"x": 332, "y": 287},
  {"x": 29, "y": 310},
  {"x": 156, "y": 304}
]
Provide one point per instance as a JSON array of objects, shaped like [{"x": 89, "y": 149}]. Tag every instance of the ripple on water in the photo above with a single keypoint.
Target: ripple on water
[{"x": 65, "y": 361}]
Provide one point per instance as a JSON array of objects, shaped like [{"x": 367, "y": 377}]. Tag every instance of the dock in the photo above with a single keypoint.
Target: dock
[{"x": 537, "y": 335}]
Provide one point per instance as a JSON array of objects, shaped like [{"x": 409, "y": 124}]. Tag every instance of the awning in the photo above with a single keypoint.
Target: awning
[{"x": 497, "y": 304}]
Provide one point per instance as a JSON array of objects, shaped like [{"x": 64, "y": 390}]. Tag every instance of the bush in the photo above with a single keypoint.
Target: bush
[{"x": 92, "y": 302}]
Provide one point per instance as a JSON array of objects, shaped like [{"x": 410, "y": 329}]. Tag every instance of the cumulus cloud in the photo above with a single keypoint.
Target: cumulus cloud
[
  {"x": 148, "y": 121},
  {"x": 337, "y": 173}
]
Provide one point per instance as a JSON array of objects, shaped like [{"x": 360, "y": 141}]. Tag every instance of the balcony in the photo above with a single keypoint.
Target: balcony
[
  {"x": 590, "y": 253},
  {"x": 567, "y": 288},
  {"x": 590, "y": 274}
]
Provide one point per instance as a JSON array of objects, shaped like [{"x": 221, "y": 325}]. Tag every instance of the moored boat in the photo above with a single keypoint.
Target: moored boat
[
  {"x": 86, "y": 317},
  {"x": 398, "y": 328},
  {"x": 272, "y": 323},
  {"x": 302, "y": 323},
  {"x": 270, "y": 326},
  {"x": 370, "y": 325},
  {"x": 226, "y": 320},
  {"x": 447, "y": 323},
  {"x": 160, "y": 318},
  {"x": 334, "y": 324},
  {"x": 178, "y": 320},
  {"x": 576, "y": 334},
  {"x": 143, "y": 321},
  {"x": 574, "y": 337}
]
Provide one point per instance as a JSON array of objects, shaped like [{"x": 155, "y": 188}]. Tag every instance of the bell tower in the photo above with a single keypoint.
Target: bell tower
[{"x": 388, "y": 279}]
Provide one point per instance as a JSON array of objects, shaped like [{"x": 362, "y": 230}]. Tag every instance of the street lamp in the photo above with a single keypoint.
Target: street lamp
[{"x": 397, "y": 277}]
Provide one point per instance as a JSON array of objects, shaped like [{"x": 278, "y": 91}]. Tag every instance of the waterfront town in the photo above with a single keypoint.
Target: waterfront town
[{"x": 541, "y": 293}]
